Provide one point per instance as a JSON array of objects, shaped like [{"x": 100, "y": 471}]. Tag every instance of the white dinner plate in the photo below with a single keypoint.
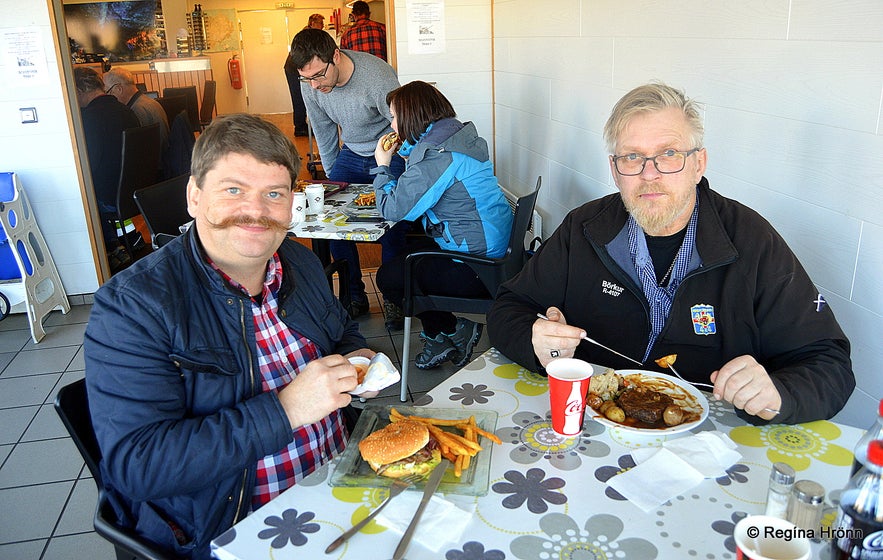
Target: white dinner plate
[{"x": 685, "y": 395}]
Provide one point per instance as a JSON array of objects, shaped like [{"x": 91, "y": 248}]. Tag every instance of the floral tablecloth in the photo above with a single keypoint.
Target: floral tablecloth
[
  {"x": 332, "y": 223},
  {"x": 549, "y": 496}
]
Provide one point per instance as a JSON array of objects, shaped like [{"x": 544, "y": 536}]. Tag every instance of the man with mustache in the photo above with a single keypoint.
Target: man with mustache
[
  {"x": 669, "y": 266},
  {"x": 217, "y": 367}
]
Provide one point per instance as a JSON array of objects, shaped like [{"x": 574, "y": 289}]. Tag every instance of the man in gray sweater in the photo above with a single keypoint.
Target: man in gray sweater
[{"x": 345, "y": 94}]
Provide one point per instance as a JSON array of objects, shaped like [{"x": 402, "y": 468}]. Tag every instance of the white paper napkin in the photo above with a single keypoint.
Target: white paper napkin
[
  {"x": 668, "y": 471},
  {"x": 443, "y": 521}
]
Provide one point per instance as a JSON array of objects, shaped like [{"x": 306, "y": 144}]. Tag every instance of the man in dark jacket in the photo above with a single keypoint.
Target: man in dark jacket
[
  {"x": 104, "y": 120},
  {"x": 668, "y": 266},
  {"x": 217, "y": 367}
]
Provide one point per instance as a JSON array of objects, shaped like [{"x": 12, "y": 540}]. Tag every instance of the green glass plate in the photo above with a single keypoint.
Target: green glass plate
[{"x": 351, "y": 470}]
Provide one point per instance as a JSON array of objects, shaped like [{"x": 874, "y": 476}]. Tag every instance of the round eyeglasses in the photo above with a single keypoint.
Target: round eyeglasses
[{"x": 669, "y": 161}]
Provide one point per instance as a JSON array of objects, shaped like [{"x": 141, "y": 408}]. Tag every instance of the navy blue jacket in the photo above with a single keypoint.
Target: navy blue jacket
[{"x": 175, "y": 391}]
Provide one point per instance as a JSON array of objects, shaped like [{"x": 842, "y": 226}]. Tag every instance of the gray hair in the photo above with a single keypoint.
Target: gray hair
[
  {"x": 649, "y": 98},
  {"x": 241, "y": 133},
  {"x": 117, "y": 75}
]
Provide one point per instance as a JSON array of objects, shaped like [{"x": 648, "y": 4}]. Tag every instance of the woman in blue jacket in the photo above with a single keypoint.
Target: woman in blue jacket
[{"x": 450, "y": 187}]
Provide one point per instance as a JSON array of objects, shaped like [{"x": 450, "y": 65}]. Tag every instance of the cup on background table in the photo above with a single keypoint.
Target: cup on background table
[
  {"x": 298, "y": 207},
  {"x": 568, "y": 384},
  {"x": 315, "y": 199},
  {"x": 762, "y": 537}
]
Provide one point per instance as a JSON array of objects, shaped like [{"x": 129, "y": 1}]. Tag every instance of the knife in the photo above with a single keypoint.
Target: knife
[{"x": 428, "y": 491}]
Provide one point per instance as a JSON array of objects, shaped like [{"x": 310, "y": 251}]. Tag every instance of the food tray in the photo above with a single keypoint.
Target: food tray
[
  {"x": 351, "y": 470},
  {"x": 356, "y": 213}
]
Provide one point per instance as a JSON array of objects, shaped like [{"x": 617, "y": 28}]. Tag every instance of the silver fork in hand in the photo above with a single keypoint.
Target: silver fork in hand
[
  {"x": 671, "y": 367},
  {"x": 398, "y": 486}
]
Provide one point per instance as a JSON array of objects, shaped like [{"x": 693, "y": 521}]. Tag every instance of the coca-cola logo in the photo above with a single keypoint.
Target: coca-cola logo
[
  {"x": 873, "y": 542},
  {"x": 573, "y": 407}
]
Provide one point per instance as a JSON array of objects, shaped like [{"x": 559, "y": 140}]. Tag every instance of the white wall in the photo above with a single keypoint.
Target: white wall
[
  {"x": 42, "y": 154},
  {"x": 792, "y": 91}
]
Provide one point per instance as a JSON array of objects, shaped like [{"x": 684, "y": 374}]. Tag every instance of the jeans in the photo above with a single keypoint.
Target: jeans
[{"x": 353, "y": 168}]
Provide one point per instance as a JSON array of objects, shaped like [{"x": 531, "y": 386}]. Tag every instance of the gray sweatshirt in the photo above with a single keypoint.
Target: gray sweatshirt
[{"x": 359, "y": 108}]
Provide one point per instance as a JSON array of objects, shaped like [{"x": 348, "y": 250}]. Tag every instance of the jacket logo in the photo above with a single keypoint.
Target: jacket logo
[
  {"x": 703, "y": 319},
  {"x": 611, "y": 289}
]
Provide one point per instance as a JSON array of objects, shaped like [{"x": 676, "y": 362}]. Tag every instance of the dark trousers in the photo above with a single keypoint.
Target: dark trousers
[
  {"x": 297, "y": 102},
  {"x": 353, "y": 168},
  {"x": 435, "y": 276}
]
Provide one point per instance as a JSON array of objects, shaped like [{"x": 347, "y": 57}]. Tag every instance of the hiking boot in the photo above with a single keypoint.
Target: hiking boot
[
  {"x": 436, "y": 351},
  {"x": 358, "y": 308},
  {"x": 118, "y": 259},
  {"x": 395, "y": 317},
  {"x": 464, "y": 339}
]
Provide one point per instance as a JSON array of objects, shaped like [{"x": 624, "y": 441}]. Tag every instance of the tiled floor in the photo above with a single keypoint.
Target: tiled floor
[{"x": 47, "y": 497}]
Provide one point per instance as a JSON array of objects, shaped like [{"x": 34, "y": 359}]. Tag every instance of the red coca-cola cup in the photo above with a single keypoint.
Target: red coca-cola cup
[{"x": 568, "y": 385}]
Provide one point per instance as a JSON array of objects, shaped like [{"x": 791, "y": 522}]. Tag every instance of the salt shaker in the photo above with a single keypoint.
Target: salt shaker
[
  {"x": 806, "y": 504},
  {"x": 781, "y": 481}
]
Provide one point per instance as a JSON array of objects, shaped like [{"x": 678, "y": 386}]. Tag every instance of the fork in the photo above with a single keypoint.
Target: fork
[
  {"x": 671, "y": 367},
  {"x": 398, "y": 486}
]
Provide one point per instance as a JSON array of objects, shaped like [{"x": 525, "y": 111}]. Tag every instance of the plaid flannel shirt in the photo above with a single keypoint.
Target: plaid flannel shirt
[{"x": 366, "y": 36}]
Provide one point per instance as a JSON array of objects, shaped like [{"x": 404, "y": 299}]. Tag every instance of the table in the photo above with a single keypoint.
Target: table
[
  {"x": 332, "y": 223},
  {"x": 548, "y": 495}
]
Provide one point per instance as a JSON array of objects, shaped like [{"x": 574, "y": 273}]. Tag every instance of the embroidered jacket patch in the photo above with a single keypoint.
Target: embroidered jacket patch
[{"x": 703, "y": 319}]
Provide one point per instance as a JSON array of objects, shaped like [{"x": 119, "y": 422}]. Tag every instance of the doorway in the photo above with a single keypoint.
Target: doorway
[{"x": 265, "y": 42}]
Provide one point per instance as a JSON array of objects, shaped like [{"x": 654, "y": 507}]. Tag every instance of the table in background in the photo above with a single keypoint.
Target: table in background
[
  {"x": 548, "y": 495},
  {"x": 332, "y": 223}
]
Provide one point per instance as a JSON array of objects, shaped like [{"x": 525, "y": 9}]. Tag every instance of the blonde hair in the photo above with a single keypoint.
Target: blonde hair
[{"x": 649, "y": 98}]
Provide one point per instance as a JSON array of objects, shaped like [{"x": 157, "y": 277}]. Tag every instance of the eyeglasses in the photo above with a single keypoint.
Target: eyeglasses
[
  {"x": 669, "y": 161},
  {"x": 315, "y": 78},
  {"x": 110, "y": 89}
]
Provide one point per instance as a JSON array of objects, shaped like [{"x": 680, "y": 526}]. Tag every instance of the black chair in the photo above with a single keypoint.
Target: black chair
[
  {"x": 173, "y": 105},
  {"x": 492, "y": 273},
  {"x": 207, "y": 109},
  {"x": 140, "y": 167},
  {"x": 189, "y": 92},
  {"x": 164, "y": 208},
  {"x": 72, "y": 406}
]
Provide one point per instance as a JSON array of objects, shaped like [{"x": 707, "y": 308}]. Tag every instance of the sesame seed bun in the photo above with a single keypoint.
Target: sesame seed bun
[{"x": 394, "y": 442}]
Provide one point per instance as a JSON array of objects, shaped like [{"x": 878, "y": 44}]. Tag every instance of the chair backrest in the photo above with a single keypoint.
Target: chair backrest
[
  {"x": 173, "y": 104},
  {"x": 207, "y": 109},
  {"x": 192, "y": 102},
  {"x": 164, "y": 206},
  {"x": 181, "y": 141},
  {"x": 139, "y": 167},
  {"x": 72, "y": 406},
  {"x": 515, "y": 254}
]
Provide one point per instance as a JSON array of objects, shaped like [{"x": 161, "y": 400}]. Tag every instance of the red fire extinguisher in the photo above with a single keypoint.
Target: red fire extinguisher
[{"x": 235, "y": 71}]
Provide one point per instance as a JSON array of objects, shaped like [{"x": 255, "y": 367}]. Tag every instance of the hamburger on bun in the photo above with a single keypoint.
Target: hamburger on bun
[
  {"x": 389, "y": 141},
  {"x": 400, "y": 449}
]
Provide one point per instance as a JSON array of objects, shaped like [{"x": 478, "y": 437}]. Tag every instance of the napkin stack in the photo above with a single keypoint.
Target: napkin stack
[
  {"x": 443, "y": 521},
  {"x": 668, "y": 471}
]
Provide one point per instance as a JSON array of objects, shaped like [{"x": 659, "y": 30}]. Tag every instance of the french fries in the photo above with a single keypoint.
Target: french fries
[{"x": 458, "y": 449}]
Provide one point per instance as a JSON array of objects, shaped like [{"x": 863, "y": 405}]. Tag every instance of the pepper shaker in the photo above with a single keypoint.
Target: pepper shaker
[{"x": 781, "y": 481}]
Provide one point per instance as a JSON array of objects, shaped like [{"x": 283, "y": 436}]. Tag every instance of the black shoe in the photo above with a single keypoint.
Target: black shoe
[
  {"x": 395, "y": 317},
  {"x": 300, "y": 133},
  {"x": 358, "y": 308},
  {"x": 464, "y": 339}
]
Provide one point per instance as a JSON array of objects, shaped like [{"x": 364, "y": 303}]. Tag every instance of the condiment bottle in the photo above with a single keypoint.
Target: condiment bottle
[
  {"x": 861, "y": 448},
  {"x": 858, "y": 530},
  {"x": 806, "y": 504},
  {"x": 781, "y": 481}
]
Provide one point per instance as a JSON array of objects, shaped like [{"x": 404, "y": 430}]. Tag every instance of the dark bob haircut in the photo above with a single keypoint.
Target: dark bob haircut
[{"x": 417, "y": 105}]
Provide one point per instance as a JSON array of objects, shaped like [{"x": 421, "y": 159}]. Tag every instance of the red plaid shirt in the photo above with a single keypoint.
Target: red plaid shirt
[
  {"x": 366, "y": 36},
  {"x": 282, "y": 353}
]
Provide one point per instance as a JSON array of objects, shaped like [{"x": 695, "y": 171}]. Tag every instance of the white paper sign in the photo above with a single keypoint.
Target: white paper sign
[
  {"x": 426, "y": 26},
  {"x": 24, "y": 56}
]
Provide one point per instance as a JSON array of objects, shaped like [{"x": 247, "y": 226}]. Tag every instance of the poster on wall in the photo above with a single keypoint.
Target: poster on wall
[
  {"x": 426, "y": 26},
  {"x": 220, "y": 30},
  {"x": 24, "y": 57}
]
